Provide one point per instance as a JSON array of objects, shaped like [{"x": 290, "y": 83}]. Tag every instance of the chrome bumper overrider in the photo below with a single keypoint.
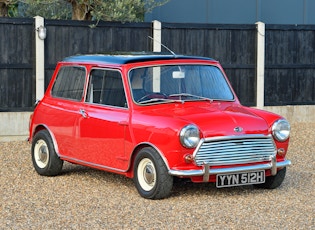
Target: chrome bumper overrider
[{"x": 207, "y": 171}]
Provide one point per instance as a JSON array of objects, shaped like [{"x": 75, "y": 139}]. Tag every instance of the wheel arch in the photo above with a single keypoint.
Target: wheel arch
[
  {"x": 44, "y": 127},
  {"x": 136, "y": 151}
]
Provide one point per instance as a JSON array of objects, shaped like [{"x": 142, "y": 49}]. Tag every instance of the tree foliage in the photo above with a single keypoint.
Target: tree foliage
[
  {"x": 50, "y": 9},
  {"x": 107, "y": 10},
  {"x": 8, "y": 8},
  {"x": 122, "y": 10}
]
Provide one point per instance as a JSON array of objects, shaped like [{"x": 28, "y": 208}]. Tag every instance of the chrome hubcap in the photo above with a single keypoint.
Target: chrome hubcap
[
  {"x": 42, "y": 154},
  {"x": 148, "y": 174}
]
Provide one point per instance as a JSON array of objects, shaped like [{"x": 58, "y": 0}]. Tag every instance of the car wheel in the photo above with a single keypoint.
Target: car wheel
[
  {"x": 151, "y": 175},
  {"x": 273, "y": 181},
  {"x": 45, "y": 160}
]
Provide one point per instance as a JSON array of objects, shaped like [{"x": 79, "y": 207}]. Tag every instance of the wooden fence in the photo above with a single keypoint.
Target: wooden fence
[
  {"x": 233, "y": 45},
  {"x": 16, "y": 64},
  {"x": 289, "y": 70},
  {"x": 290, "y": 65}
]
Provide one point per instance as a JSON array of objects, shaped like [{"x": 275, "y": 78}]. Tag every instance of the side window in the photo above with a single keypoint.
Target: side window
[
  {"x": 69, "y": 83},
  {"x": 106, "y": 87}
]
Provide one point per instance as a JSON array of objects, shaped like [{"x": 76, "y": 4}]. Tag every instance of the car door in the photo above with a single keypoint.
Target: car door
[
  {"x": 103, "y": 125},
  {"x": 62, "y": 108}
]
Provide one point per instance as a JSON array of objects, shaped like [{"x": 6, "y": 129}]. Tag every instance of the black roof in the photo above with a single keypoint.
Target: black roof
[{"x": 128, "y": 57}]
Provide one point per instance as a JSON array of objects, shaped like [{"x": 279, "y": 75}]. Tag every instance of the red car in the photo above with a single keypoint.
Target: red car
[{"x": 153, "y": 117}]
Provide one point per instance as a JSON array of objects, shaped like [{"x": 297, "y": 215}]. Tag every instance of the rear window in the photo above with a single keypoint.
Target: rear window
[{"x": 69, "y": 83}]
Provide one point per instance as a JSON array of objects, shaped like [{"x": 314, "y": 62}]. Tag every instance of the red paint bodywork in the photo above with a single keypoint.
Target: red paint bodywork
[{"x": 109, "y": 138}]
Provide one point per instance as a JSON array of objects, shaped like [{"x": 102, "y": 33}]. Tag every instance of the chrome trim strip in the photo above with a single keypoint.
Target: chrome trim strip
[
  {"x": 93, "y": 165},
  {"x": 219, "y": 138},
  {"x": 51, "y": 135},
  {"x": 203, "y": 172}
]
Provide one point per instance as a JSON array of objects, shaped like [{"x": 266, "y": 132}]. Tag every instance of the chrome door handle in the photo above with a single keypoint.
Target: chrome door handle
[
  {"x": 83, "y": 113},
  {"x": 123, "y": 123}
]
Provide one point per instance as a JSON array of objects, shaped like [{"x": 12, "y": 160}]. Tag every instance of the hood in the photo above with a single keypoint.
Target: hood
[{"x": 217, "y": 119}]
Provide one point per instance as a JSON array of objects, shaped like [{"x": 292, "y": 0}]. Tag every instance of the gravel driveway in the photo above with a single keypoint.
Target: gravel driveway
[{"x": 82, "y": 198}]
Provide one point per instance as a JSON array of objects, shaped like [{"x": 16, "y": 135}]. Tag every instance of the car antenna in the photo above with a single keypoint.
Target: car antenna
[{"x": 168, "y": 49}]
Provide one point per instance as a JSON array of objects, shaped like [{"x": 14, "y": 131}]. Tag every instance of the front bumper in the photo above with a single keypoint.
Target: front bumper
[{"x": 206, "y": 171}]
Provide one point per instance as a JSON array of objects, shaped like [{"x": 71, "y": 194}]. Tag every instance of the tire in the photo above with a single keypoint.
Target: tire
[
  {"x": 273, "y": 182},
  {"x": 45, "y": 160},
  {"x": 151, "y": 176}
]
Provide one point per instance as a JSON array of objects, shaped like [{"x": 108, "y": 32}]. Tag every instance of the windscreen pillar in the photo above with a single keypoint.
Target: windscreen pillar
[{"x": 260, "y": 65}]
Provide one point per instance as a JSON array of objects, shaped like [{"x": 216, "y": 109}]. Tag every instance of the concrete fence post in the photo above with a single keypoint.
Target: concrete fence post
[
  {"x": 157, "y": 43},
  {"x": 40, "y": 35},
  {"x": 157, "y": 36},
  {"x": 260, "y": 65}
]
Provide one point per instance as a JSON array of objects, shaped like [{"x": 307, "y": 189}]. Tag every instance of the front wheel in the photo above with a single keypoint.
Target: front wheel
[
  {"x": 273, "y": 181},
  {"x": 45, "y": 160},
  {"x": 151, "y": 175}
]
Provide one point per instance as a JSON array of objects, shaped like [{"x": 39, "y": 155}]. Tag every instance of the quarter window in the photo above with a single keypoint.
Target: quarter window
[{"x": 69, "y": 83}]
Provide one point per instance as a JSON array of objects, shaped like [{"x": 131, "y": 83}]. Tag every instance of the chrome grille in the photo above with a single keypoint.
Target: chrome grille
[{"x": 235, "y": 150}]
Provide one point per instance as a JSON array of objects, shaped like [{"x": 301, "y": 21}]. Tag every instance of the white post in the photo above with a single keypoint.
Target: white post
[
  {"x": 39, "y": 57},
  {"x": 157, "y": 42},
  {"x": 260, "y": 65},
  {"x": 157, "y": 36}
]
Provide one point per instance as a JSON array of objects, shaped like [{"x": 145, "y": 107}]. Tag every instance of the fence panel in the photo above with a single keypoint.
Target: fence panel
[
  {"x": 66, "y": 38},
  {"x": 290, "y": 65},
  {"x": 233, "y": 45},
  {"x": 16, "y": 64}
]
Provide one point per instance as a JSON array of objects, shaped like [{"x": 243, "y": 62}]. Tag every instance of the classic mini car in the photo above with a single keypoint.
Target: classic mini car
[{"x": 153, "y": 117}]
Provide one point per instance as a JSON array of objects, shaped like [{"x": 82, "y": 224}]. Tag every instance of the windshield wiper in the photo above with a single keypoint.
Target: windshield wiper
[
  {"x": 152, "y": 100},
  {"x": 180, "y": 95}
]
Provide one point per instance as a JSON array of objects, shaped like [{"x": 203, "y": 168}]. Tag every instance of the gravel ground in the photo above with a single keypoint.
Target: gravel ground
[{"x": 82, "y": 198}]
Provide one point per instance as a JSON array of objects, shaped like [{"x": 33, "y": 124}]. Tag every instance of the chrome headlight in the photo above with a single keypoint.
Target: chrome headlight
[
  {"x": 189, "y": 136},
  {"x": 281, "y": 130}
]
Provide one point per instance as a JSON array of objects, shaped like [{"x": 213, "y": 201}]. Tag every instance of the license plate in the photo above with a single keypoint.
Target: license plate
[{"x": 238, "y": 179}]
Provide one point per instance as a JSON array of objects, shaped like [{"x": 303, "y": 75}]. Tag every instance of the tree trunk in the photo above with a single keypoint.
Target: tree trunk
[
  {"x": 3, "y": 9},
  {"x": 80, "y": 11}
]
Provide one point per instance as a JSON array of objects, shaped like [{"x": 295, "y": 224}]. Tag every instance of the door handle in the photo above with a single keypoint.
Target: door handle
[
  {"x": 83, "y": 113},
  {"x": 123, "y": 123}
]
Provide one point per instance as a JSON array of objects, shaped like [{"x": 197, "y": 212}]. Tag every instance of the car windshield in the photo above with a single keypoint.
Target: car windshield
[{"x": 178, "y": 83}]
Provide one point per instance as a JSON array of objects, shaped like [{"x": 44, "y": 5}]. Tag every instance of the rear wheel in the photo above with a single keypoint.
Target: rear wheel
[
  {"x": 273, "y": 181},
  {"x": 151, "y": 175},
  {"x": 45, "y": 160}
]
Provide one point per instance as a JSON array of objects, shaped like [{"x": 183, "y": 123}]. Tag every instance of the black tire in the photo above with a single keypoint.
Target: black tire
[
  {"x": 151, "y": 176},
  {"x": 45, "y": 160},
  {"x": 273, "y": 182}
]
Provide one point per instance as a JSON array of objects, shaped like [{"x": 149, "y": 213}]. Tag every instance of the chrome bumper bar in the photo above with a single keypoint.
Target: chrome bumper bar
[{"x": 207, "y": 171}]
